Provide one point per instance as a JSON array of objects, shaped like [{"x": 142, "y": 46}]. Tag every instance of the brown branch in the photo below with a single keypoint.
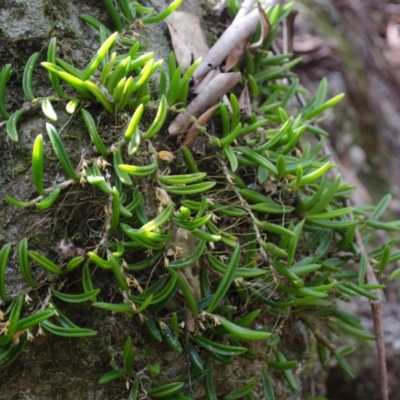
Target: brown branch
[
  {"x": 220, "y": 85},
  {"x": 238, "y": 32},
  {"x": 245, "y": 8}
]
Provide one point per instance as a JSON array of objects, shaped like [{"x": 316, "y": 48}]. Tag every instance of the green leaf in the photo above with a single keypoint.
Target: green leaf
[
  {"x": 186, "y": 290},
  {"x": 293, "y": 243},
  {"x": 243, "y": 333},
  {"x": 381, "y": 207},
  {"x": 320, "y": 109},
  {"x": 393, "y": 226},
  {"x": 226, "y": 280},
  {"x": 111, "y": 375},
  {"x": 311, "y": 177},
  {"x": 394, "y": 275},
  {"x": 59, "y": 149},
  {"x": 4, "y": 254},
  {"x": 166, "y": 390},
  {"x": 268, "y": 389},
  {"x": 241, "y": 392},
  {"x": 331, "y": 214},
  {"x": 343, "y": 364},
  {"x": 287, "y": 373},
  {"x": 164, "y": 14}
]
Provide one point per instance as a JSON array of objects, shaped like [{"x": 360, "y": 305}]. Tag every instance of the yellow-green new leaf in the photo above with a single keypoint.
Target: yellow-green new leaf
[
  {"x": 72, "y": 105},
  {"x": 101, "y": 53},
  {"x": 158, "y": 121},
  {"x": 140, "y": 171},
  {"x": 100, "y": 96},
  {"x": 76, "y": 83},
  {"x": 48, "y": 110},
  {"x": 37, "y": 164},
  {"x": 134, "y": 122},
  {"x": 164, "y": 14},
  {"x": 117, "y": 161},
  {"x": 311, "y": 177},
  {"x": 160, "y": 220},
  {"x": 320, "y": 109},
  {"x": 51, "y": 58}
]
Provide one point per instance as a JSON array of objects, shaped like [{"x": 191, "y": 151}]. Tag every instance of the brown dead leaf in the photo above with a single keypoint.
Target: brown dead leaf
[
  {"x": 288, "y": 32},
  {"x": 191, "y": 136},
  {"x": 195, "y": 128},
  {"x": 189, "y": 322},
  {"x": 187, "y": 38},
  {"x": 265, "y": 28},
  {"x": 234, "y": 56},
  {"x": 199, "y": 146},
  {"x": 245, "y": 102}
]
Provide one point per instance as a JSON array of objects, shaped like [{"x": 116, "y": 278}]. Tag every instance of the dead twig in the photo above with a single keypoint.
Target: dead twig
[
  {"x": 245, "y": 8},
  {"x": 220, "y": 85},
  {"x": 195, "y": 128},
  {"x": 238, "y": 32}
]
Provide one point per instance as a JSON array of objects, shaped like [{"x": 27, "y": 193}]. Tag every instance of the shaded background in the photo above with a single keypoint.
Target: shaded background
[{"x": 356, "y": 45}]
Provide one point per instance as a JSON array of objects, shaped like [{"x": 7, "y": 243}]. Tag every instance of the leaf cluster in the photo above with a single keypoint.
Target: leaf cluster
[{"x": 272, "y": 237}]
